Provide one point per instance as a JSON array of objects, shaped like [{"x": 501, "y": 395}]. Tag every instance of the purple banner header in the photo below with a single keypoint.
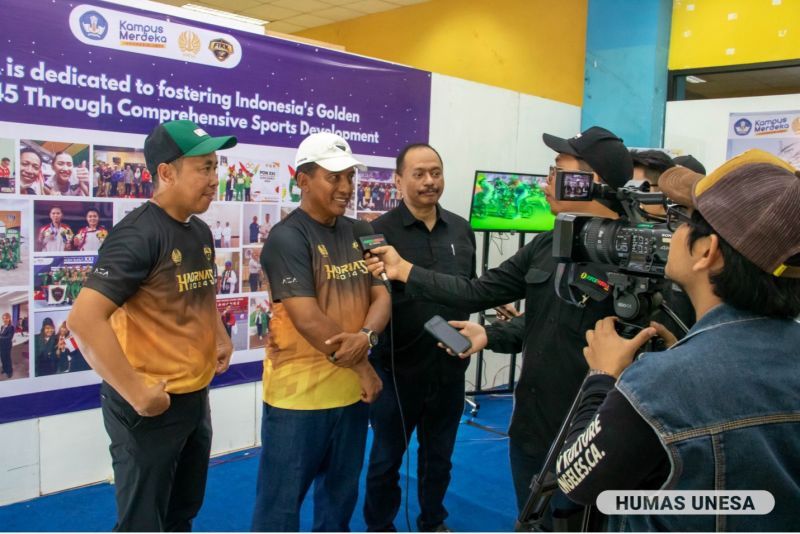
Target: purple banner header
[{"x": 106, "y": 67}]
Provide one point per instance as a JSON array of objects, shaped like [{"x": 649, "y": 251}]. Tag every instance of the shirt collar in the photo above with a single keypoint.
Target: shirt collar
[
  {"x": 720, "y": 315},
  {"x": 408, "y": 218}
]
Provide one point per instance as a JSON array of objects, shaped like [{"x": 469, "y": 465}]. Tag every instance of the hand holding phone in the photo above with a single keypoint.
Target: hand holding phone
[{"x": 447, "y": 335}]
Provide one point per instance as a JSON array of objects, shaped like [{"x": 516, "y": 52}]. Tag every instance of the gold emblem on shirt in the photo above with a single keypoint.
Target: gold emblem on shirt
[
  {"x": 355, "y": 245},
  {"x": 207, "y": 251},
  {"x": 177, "y": 257},
  {"x": 322, "y": 250}
]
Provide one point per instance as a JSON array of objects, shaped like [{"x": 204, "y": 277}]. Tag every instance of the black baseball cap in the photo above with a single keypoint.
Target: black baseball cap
[
  {"x": 690, "y": 162},
  {"x": 175, "y": 139},
  {"x": 601, "y": 149}
]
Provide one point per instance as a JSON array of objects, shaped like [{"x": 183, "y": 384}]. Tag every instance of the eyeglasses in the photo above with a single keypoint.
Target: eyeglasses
[{"x": 676, "y": 216}]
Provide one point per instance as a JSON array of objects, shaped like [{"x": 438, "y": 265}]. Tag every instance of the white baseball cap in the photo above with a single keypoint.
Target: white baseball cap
[{"x": 327, "y": 150}]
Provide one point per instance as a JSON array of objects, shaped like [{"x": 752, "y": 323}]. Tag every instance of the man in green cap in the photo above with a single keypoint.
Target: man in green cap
[{"x": 146, "y": 321}]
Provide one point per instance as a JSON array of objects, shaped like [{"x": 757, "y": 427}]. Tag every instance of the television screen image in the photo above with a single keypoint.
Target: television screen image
[{"x": 505, "y": 202}]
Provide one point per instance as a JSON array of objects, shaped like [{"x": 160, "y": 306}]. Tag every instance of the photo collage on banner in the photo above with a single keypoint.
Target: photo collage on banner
[
  {"x": 72, "y": 164},
  {"x": 52, "y": 227},
  {"x": 376, "y": 193},
  {"x": 71, "y": 195}
]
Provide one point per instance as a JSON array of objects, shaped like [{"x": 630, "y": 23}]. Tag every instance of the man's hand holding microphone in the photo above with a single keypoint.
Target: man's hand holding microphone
[{"x": 385, "y": 259}]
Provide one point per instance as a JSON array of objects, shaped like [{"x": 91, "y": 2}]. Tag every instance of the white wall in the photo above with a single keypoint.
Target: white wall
[
  {"x": 55, "y": 453},
  {"x": 474, "y": 126},
  {"x": 700, "y": 127}
]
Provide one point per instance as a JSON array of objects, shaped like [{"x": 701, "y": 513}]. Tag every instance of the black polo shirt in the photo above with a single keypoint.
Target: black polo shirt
[{"x": 448, "y": 248}]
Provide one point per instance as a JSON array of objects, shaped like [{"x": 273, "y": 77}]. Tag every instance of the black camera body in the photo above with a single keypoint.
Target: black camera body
[
  {"x": 640, "y": 248},
  {"x": 635, "y": 243},
  {"x": 630, "y": 251}
]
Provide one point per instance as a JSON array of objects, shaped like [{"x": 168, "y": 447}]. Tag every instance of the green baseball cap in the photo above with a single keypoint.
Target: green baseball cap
[{"x": 175, "y": 139}]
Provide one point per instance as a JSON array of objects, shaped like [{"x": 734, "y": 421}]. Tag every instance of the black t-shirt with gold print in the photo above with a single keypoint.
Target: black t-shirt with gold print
[
  {"x": 161, "y": 274},
  {"x": 303, "y": 258}
]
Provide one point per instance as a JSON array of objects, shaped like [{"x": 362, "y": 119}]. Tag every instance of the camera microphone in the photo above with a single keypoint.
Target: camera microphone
[{"x": 367, "y": 240}]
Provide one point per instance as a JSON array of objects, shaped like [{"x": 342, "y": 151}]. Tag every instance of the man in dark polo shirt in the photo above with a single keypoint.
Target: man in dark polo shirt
[
  {"x": 430, "y": 383},
  {"x": 146, "y": 321}
]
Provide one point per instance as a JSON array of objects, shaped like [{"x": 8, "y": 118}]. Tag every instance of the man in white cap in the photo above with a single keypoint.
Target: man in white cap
[{"x": 327, "y": 311}]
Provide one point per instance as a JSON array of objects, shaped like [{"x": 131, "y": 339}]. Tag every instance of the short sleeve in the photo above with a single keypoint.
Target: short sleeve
[
  {"x": 124, "y": 262},
  {"x": 287, "y": 261}
]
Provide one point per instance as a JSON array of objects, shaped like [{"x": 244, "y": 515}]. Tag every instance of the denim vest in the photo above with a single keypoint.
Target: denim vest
[{"x": 725, "y": 404}]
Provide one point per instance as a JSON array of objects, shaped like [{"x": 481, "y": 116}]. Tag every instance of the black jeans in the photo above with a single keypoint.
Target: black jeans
[
  {"x": 160, "y": 463},
  {"x": 435, "y": 410}
]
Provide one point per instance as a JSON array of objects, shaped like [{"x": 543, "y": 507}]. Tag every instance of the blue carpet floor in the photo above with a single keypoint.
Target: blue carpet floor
[{"x": 480, "y": 498}]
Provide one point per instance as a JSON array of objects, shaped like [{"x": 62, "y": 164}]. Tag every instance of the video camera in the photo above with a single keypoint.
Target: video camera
[
  {"x": 627, "y": 254},
  {"x": 637, "y": 242}
]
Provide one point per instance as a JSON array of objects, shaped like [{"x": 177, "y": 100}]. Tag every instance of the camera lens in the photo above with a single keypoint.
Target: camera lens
[{"x": 596, "y": 241}]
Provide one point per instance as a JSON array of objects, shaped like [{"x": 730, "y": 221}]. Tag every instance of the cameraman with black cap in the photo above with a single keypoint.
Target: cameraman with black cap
[{"x": 551, "y": 333}]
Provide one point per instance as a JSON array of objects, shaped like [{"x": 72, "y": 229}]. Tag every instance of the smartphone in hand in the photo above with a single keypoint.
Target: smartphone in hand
[{"x": 447, "y": 335}]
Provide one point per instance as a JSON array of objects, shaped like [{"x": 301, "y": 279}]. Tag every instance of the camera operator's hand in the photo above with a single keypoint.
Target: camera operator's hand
[
  {"x": 610, "y": 353},
  {"x": 662, "y": 332},
  {"x": 472, "y": 331},
  {"x": 386, "y": 259}
]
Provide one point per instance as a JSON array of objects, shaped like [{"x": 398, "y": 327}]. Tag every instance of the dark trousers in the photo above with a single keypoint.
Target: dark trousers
[
  {"x": 563, "y": 515},
  {"x": 5, "y": 359},
  {"x": 254, "y": 279},
  {"x": 435, "y": 410},
  {"x": 523, "y": 467},
  {"x": 160, "y": 463},
  {"x": 299, "y": 447}
]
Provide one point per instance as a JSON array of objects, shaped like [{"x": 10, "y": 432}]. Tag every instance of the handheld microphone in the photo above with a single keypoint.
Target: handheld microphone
[{"x": 367, "y": 240}]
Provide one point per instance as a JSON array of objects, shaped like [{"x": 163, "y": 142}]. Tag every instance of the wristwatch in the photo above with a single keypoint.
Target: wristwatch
[{"x": 372, "y": 337}]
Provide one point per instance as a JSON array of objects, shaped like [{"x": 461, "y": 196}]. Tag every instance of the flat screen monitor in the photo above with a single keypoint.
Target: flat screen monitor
[{"x": 510, "y": 201}]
